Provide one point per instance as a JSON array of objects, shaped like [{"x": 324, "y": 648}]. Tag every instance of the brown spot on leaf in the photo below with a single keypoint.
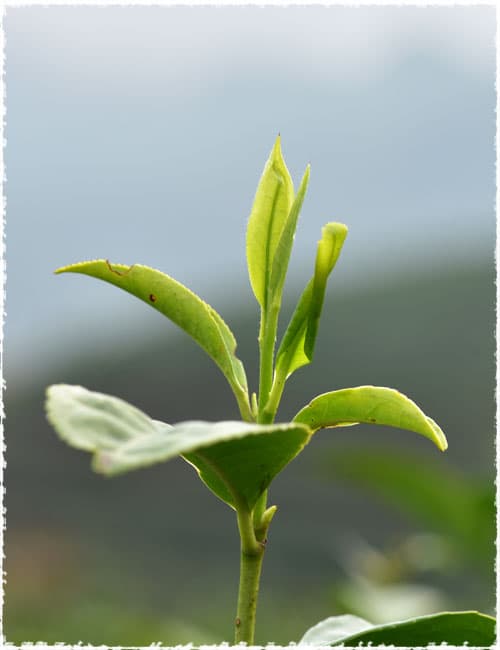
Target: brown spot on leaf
[{"x": 152, "y": 297}]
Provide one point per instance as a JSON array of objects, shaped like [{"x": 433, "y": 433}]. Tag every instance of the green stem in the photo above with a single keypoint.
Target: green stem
[
  {"x": 267, "y": 342},
  {"x": 244, "y": 405},
  {"x": 275, "y": 395},
  {"x": 252, "y": 554}
]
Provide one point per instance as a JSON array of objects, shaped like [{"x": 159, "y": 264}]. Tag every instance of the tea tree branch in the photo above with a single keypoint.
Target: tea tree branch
[
  {"x": 250, "y": 570},
  {"x": 235, "y": 460},
  {"x": 253, "y": 544}
]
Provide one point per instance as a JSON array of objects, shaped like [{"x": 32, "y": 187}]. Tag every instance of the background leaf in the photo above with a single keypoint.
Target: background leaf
[
  {"x": 373, "y": 405},
  {"x": 236, "y": 460},
  {"x": 334, "y": 628},
  {"x": 180, "y": 305},
  {"x": 453, "y": 628},
  {"x": 271, "y": 207},
  {"x": 435, "y": 494}
]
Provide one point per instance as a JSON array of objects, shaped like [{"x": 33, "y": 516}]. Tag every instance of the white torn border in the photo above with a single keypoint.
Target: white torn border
[{"x": 227, "y": 3}]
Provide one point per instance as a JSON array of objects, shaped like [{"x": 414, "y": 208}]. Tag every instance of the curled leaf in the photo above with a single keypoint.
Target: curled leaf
[
  {"x": 372, "y": 405},
  {"x": 285, "y": 244},
  {"x": 297, "y": 346},
  {"x": 271, "y": 207}
]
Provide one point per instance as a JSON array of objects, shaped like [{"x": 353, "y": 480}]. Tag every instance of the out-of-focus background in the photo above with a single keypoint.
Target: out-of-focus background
[{"x": 138, "y": 134}]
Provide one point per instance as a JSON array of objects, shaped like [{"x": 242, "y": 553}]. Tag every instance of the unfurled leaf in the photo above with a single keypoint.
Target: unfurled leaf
[
  {"x": 452, "y": 628},
  {"x": 236, "y": 460},
  {"x": 297, "y": 346},
  {"x": 181, "y": 306},
  {"x": 372, "y": 405},
  {"x": 271, "y": 207}
]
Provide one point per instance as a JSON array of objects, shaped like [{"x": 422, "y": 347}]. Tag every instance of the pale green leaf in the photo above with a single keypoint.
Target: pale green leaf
[
  {"x": 285, "y": 244},
  {"x": 334, "y": 628},
  {"x": 94, "y": 421},
  {"x": 297, "y": 346},
  {"x": 271, "y": 207},
  {"x": 453, "y": 628},
  {"x": 373, "y": 405},
  {"x": 183, "y": 307},
  {"x": 236, "y": 460}
]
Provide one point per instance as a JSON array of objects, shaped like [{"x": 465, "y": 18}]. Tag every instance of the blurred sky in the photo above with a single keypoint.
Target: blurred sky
[{"x": 138, "y": 134}]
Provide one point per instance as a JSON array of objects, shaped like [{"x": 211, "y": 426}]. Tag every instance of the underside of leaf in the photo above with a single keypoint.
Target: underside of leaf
[{"x": 236, "y": 460}]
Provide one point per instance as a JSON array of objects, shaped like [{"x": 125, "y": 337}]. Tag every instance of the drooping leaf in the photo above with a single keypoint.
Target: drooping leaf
[
  {"x": 372, "y": 405},
  {"x": 297, "y": 347},
  {"x": 180, "y": 305},
  {"x": 453, "y": 628},
  {"x": 236, "y": 460},
  {"x": 250, "y": 461},
  {"x": 334, "y": 628},
  {"x": 436, "y": 495},
  {"x": 271, "y": 207}
]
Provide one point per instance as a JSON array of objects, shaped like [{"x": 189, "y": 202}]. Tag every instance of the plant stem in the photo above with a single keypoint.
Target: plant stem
[
  {"x": 267, "y": 341},
  {"x": 244, "y": 405},
  {"x": 252, "y": 554},
  {"x": 275, "y": 395},
  {"x": 250, "y": 568}
]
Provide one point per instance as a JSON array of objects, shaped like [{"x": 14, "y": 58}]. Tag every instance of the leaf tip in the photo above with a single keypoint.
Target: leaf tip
[
  {"x": 307, "y": 173},
  {"x": 76, "y": 267},
  {"x": 443, "y": 443},
  {"x": 438, "y": 438},
  {"x": 276, "y": 152},
  {"x": 102, "y": 463}
]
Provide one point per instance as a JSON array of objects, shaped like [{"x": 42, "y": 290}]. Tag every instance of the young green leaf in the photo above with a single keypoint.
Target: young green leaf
[
  {"x": 181, "y": 306},
  {"x": 271, "y": 207},
  {"x": 453, "y": 628},
  {"x": 236, "y": 460},
  {"x": 285, "y": 244},
  {"x": 373, "y": 405},
  {"x": 297, "y": 346}
]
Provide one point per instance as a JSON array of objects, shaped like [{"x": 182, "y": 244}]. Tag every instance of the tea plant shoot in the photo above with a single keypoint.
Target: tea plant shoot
[{"x": 238, "y": 460}]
